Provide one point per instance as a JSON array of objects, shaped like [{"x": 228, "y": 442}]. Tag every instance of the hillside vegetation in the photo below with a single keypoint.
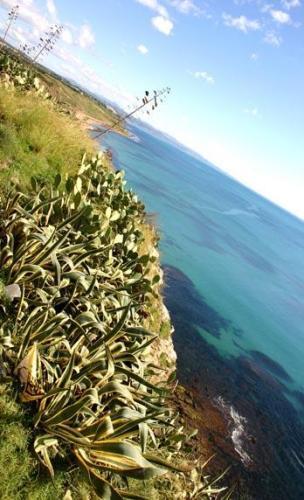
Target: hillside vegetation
[{"x": 79, "y": 414}]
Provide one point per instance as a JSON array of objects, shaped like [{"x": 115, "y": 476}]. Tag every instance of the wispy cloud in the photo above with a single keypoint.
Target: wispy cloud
[
  {"x": 280, "y": 16},
  {"x": 254, "y": 56},
  {"x": 273, "y": 39},
  {"x": 291, "y": 4},
  {"x": 63, "y": 59},
  {"x": 86, "y": 36},
  {"x": 29, "y": 14},
  {"x": 155, "y": 6},
  {"x": 251, "y": 111},
  {"x": 51, "y": 7},
  {"x": 162, "y": 24},
  {"x": 162, "y": 21},
  {"x": 186, "y": 6},
  {"x": 142, "y": 49},
  {"x": 203, "y": 75},
  {"x": 66, "y": 36},
  {"x": 241, "y": 23}
]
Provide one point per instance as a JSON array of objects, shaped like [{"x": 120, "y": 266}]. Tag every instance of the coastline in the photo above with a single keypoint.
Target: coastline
[
  {"x": 196, "y": 410},
  {"x": 162, "y": 354},
  {"x": 88, "y": 124}
]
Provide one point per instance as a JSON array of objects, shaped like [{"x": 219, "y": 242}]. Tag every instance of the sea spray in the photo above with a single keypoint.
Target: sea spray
[{"x": 237, "y": 427}]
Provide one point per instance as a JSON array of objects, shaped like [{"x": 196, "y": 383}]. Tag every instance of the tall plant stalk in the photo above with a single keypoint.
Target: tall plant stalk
[
  {"x": 146, "y": 100},
  {"x": 12, "y": 17},
  {"x": 47, "y": 42}
]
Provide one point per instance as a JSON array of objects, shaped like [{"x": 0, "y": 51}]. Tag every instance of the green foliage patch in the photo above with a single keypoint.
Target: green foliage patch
[
  {"x": 74, "y": 341},
  {"x": 36, "y": 139},
  {"x": 76, "y": 399}
]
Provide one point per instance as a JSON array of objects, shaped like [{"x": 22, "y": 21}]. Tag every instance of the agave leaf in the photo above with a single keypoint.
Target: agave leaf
[
  {"x": 41, "y": 446},
  {"x": 28, "y": 370},
  {"x": 134, "y": 496},
  {"x": 116, "y": 388},
  {"x": 140, "y": 379},
  {"x": 68, "y": 412},
  {"x": 49, "y": 201},
  {"x": 101, "y": 427},
  {"x": 115, "y": 332},
  {"x": 32, "y": 270},
  {"x": 122, "y": 457},
  {"x": 168, "y": 465},
  {"x": 129, "y": 427},
  {"x": 102, "y": 487},
  {"x": 44, "y": 255}
]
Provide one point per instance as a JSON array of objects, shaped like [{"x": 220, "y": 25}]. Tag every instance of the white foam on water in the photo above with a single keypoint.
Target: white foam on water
[
  {"x": 238, "y": 431},
  {"x": 298, "y": 459},
  {"x": 134, "y": 138}
]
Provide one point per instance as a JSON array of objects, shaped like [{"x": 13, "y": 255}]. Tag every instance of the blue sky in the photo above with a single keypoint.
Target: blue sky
[{"x": 235, "y": 68}]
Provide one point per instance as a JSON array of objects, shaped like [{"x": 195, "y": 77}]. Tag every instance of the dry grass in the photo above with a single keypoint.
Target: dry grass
[
  {"x": 36, "y": 140},
  {"x": 78, "y": 103}
]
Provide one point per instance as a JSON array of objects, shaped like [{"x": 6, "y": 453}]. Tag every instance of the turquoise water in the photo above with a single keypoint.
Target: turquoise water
[{"x": 235, "y": 273}]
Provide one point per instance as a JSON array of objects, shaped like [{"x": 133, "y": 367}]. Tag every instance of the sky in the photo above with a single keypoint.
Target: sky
[{"x": 235, "y": 68}]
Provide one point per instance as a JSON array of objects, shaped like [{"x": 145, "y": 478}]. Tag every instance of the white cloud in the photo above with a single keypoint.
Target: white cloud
[
  {"x": 142, "y": 49},
  {"x": 241, "y": 23},
  {"x": 66, "y": 36},
  {"x": 266, "y": 7},
  {"x": 155, "y": 6},
  {"x": 50, "y": 5},
  {"x": 28, "y": 13},
  {"x": 254, "y": 56},
  {"x": 86, "y": 76},
  {"x": 86, "y": 36},
  {"x": 19, "y": 34},
  {"x": 203, "y": 75},
  {"x": 280, "y": 16},
  {"x": 273, "y": 39},
  {"x": 162, "y": 21},
  {"x": 162, "y": 24},
  {"x": 251, "y": 111},
  {"x": 291, "y": 4},
  {"x": 62, "y": 60},
  {"x": 186, "y": 6}
]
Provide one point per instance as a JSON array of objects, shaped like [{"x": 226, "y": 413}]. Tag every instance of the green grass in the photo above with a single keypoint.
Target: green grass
[
  {"x": 76, "y": 101},
  {"x": 19, "y": 478},
  {"x": 36, "y": 140},
  {"x": 70, "y": 99},
  {"x": 22, "y": 477}
]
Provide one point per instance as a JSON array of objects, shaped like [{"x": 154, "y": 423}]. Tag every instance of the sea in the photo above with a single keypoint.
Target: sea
[{"x": 234, "y": 274}]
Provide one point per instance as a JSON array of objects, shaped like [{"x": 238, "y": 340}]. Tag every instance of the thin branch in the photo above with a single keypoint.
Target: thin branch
[
  {"x": 145, "y": 102},
  {"x": 12, "y": 16},
  {"x": 48, "y": 43}
]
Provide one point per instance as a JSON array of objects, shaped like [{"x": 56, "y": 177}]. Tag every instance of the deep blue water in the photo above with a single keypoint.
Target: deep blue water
[{"x": 234, "y": 267}]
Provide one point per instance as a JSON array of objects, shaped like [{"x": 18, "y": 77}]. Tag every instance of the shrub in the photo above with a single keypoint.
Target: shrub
[{"x": 74, "y": 340}]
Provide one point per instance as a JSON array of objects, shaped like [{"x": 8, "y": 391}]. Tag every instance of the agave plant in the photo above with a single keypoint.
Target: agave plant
[{"x": 72, "y": 337}]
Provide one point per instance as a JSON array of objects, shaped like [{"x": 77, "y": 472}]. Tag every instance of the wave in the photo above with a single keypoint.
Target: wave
[
  {"x": 134, "y": 138},
  {"x": 237, "y": 428},
  {"x": 249, "y": 212},
  {"x": 239, "y": 211}
]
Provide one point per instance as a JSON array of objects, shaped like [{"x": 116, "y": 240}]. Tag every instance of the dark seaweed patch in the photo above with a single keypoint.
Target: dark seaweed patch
[
  {"x": 186, "y": 302},
  {"x": 271, "y": 365},
  {"x": 273, "y": 424}
]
